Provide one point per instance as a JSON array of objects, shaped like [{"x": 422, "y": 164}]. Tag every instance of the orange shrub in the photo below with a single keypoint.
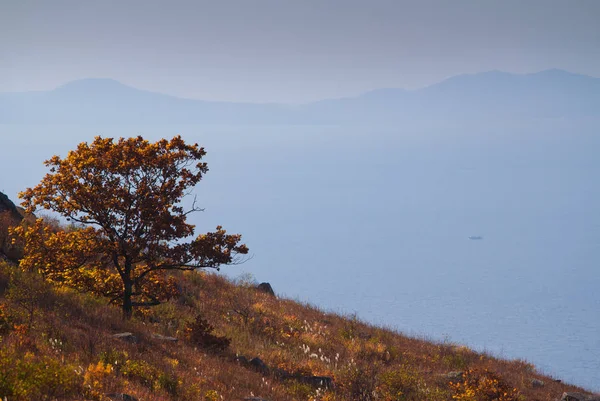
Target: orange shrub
[
  {"x": 483, "y": 385},
  {"x": 98, "y": 379}
]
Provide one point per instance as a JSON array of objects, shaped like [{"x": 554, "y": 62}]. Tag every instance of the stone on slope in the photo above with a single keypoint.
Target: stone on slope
[
  {"x": 266, "y": 288},
  {"x": 121, "y": 397},
  {"x": 160, "y": 337},
  {"x": 536, "y": 383},
  {"x": 324, "y": 382},
  {"x": 579, "y": 397},
  {"x": 129, "y": 337},
  {"x": 10, "y": 216},
  {"x": 259, "y": 365}
]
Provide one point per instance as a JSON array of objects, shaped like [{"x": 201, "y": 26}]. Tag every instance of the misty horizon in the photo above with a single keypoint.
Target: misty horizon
[
  {"x": 110, "y": 80},
  {"x": 291, "y": 52}
]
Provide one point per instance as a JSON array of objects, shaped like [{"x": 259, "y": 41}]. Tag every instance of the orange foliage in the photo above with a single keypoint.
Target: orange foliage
[
  {"x": 483, "y": 385},
  {"x": 125, "y": 195}
]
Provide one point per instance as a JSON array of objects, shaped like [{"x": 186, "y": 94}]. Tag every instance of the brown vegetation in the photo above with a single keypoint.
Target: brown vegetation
[{"x": 57, "y": 344}]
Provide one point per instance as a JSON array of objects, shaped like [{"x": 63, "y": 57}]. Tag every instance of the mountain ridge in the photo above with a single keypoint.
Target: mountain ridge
[{"x": 549, "y": 93}]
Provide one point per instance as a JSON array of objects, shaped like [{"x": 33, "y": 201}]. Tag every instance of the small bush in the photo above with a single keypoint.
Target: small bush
[
  {"x": 141, "y": 371},
  {"x": 199, "y": 333},
  {"x": 5, "y": 270},
  {"x": 27, "y": 377},
  {"x": 117, "y": 359},
  {"x": 5, "y": 320},
  {"x": 358, "y": 382},
  {"x": 168, "y": 382},
  {"x": 212, "y": 395},
  {"x": 300, "y": 391},
  {"x": 350, "y": 329},
  {"x": 483, "y": 385},
  {"x": 99, "y": 379},
  {"x": 29, "y": 293},
  {"x": 402, "y": 384},
  {"x": 455, "y": 361}
]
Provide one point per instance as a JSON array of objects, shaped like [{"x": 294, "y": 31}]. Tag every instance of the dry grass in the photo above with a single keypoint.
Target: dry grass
[{"x": 42, "y": 325}]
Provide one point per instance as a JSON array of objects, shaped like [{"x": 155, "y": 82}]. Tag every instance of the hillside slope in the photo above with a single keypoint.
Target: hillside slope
[{"x": 59, "y": 345}]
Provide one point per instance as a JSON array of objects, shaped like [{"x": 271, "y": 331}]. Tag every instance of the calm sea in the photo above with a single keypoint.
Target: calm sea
[{"x": 376, "y": 221}]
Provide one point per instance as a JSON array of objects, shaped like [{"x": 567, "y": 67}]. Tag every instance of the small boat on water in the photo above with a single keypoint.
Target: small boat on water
[{"x": 474, "y": 237}]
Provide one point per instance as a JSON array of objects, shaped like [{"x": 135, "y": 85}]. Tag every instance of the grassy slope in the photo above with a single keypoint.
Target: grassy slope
[{"x": 57, "y": 344}]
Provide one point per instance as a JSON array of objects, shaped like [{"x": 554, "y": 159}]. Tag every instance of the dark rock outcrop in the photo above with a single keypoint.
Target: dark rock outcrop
[
  {"x": 266, "y": 288},
  {"x": 324, "y": 382},
  {"x": 6, "y": 205},
  {"x": 259, "y": 365},
  {"x": 160, "y": 337},
  {"x": 579, "y": 397},
  {"x": 129, "y": 337},
  {"x": 536, "y": 383},
  {"x": 454, "y": 377},
  {"x": 121, "y": 397},
  {"x": 10, "y": 216}
]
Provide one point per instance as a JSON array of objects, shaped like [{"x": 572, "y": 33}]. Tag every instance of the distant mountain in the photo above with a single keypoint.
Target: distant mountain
[
  {"x": 551, "y": 94},
  {"x": 108, "y": 101},
  {"x": 546, "y": 94}
]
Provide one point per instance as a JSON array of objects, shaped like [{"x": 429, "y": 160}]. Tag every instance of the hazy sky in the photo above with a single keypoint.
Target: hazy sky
[{"x": 289, "y": 50}]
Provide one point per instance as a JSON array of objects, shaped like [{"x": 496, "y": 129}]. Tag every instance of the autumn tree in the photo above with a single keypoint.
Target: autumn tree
[{"x": 125, "y": 196}]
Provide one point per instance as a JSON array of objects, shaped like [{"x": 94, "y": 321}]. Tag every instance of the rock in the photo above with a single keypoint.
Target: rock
[
  {"x": 255, "y": 399},
  {"x": 242, "y": 360},
  {"x": 160, "y": 337},
  {"x": 281, "y": 373},
  {"x": 454, "y": 377},
  {"x": 10, "y": 216},
  {"x": 129, "y": 337},
  {"x": 121, "y": 397},
  {"x": 6, "y": 205},
  {"x": 536, "y": 383},
  {"x": 266, "y": 288},
  {"x": 324, "y": 382},
  {"x": 259, "y": 365},
  {"x": 579, "y": 397}
]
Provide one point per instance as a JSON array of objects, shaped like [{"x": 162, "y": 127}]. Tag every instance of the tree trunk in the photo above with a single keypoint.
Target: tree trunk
[{"x": 127, "y": 304}]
